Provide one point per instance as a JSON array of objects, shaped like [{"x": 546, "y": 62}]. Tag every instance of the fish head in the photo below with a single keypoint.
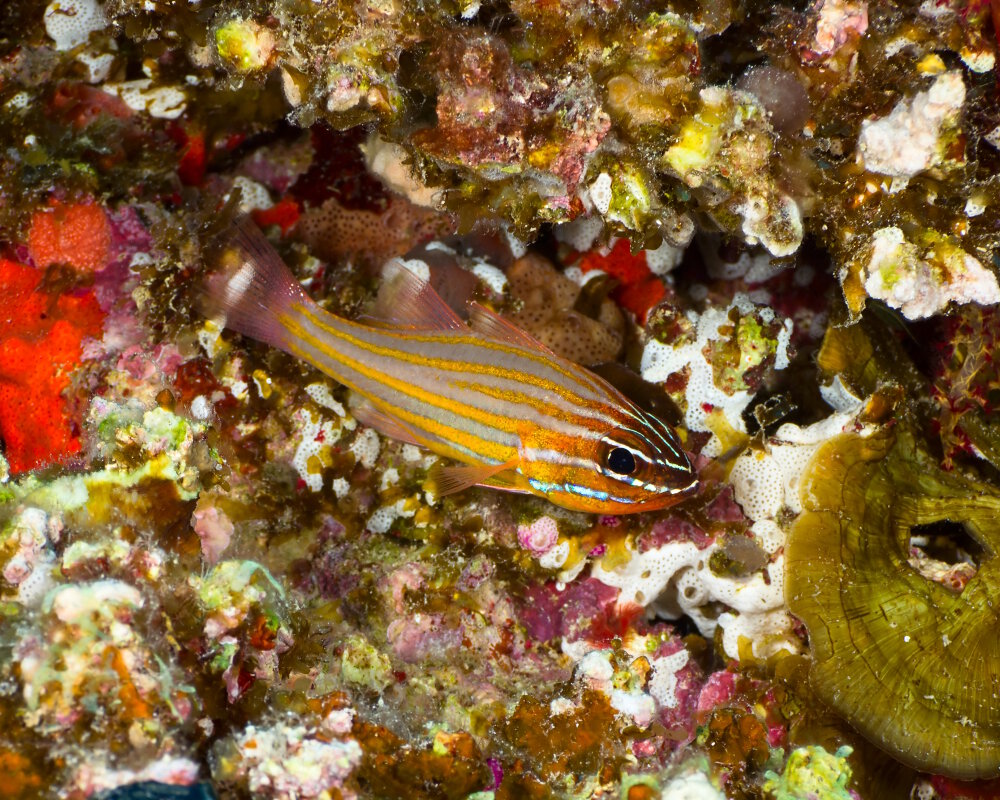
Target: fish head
[
  {"x": 643, "y": 466},
  {"x": 624, "y": 469}
]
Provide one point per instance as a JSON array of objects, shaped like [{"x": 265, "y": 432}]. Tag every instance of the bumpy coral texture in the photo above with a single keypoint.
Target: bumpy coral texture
[
  {"x": 78, "y": 235},
  {"x": 40, "y": 338}
]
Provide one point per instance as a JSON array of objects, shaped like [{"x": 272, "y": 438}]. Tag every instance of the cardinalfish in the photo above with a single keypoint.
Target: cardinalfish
[{"x": 486, "y": 394}]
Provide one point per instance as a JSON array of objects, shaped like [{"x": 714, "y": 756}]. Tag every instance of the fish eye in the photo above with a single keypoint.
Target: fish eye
[{"x": 621, "y": 461}]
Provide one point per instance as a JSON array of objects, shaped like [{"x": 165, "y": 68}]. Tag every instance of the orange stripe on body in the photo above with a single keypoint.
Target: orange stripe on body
[
  {"x": 449, "y": 365},
  {"x": 487, "y": 449}
]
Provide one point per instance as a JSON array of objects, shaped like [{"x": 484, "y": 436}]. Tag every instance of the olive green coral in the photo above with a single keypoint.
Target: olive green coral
[{"x": 910, "y": 663}]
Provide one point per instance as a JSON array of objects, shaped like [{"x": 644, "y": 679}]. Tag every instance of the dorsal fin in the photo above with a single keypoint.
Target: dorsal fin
[
  {"x": 487, "y": 322},
  {"x": 650, "y": 397},
  {"x": 407, "y": 300}
]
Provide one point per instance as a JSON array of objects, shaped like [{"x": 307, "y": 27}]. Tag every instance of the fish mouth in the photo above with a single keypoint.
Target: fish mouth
[
  {"x": 692, "y": 487},
  {"x": 687, "y": 489},
  {"x": 682, "y": 479}
]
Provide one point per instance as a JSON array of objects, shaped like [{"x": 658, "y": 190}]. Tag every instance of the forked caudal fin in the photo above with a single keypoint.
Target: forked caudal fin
[{"x": 251, "y": 286}]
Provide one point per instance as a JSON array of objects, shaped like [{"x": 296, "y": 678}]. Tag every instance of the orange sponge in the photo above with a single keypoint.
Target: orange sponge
[
  {"x": 40, "y": 337},
  {"x": 78, "y": 235}
]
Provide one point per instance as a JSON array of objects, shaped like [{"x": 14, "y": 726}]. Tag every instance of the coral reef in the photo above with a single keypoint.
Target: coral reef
[{"x": 774, "y": 226}]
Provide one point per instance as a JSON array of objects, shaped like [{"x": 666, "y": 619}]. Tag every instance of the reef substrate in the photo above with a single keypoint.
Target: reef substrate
[{"x": 775, "y": 224}]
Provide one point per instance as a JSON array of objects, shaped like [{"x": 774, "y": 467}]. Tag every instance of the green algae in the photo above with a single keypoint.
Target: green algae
[
  {"x": 72, "y": 492},
  {"x": 244, "y": 44},
  {"x": 234, "y": 581},
  {"x": 78, "y": 553},
  {"x": 811, "y": 773},
  {"x": 649, "y": 76},
  {"x": 364, "y": 666},
  {"x": 747, "y": 347}
]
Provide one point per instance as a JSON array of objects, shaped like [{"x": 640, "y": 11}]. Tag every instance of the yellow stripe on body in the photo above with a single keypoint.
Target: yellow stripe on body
[
  {"x": 486, "y": 449},
  {"x": 592, "y": 424},
  {"x": 582, "y": 379}
]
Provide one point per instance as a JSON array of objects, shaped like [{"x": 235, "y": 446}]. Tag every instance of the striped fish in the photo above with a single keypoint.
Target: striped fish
[{"x": 486, "y": 394}]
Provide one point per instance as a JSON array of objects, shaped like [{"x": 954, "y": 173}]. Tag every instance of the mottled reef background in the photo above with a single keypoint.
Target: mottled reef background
[{"x": 784, "y": 216}]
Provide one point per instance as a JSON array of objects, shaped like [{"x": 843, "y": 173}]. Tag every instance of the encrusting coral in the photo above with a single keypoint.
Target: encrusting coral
[
  {"x": 903, "y": 654},
  {"x": 548, "y": 312},
  {"x": 864, "y": 579},
  {"x": 775, "y": 226}
]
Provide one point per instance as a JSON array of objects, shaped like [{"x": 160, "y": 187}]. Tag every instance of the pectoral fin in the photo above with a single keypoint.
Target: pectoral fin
[
  {"x": 365, "y": 412},
  {"x": 444, "y": 480},
  {"x": 509, "y": 481}
]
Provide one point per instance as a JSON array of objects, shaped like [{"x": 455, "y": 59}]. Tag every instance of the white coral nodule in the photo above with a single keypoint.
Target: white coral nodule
[{"x": 921, "y": 284}]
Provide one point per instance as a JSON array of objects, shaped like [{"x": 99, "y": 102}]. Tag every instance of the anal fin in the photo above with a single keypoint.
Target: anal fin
[{"x": 449, "y": 479}]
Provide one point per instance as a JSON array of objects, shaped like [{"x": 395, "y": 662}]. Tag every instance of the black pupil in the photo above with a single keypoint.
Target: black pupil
[{"x": 621, "y": 461}]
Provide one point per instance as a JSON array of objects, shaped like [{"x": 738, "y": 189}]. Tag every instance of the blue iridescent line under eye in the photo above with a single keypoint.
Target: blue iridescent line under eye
[
  {"x": 586, "y": 491},
  {"x": 542, "y": 486},
  {"x": 574, "y": 488}
]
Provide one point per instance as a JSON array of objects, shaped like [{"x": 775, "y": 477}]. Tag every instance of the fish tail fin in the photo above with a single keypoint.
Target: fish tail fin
[{"x": 251, "y": 290}]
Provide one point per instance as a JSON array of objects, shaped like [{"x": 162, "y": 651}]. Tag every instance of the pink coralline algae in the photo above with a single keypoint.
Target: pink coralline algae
[
  {"x": 214, "y": 529},
  {"x": 540, "y": 536}
]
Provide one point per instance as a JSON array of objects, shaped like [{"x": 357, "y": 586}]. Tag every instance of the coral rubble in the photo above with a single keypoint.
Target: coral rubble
[{"x": 776, "y": 226}]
